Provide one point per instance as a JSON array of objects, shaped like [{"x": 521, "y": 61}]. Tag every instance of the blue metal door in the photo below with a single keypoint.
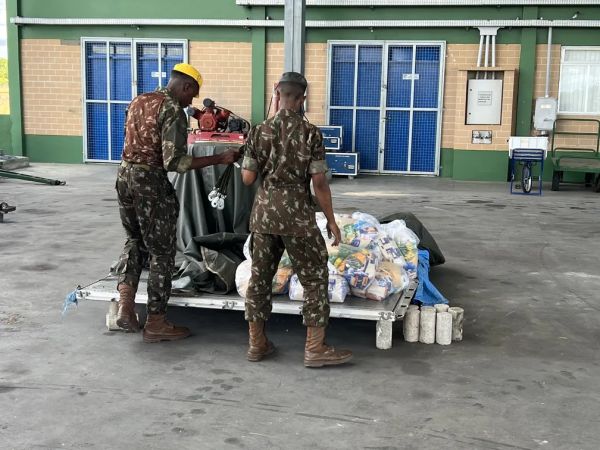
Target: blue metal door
[
  {"x": 108, "y": 91},
  {"x": 154, "y": 71},
  {"x": 355, "y": 99},
  {"x": 412, "y": 111},
  {"x": 115, "y": 71},
  {"x": 387, "y": 98}
]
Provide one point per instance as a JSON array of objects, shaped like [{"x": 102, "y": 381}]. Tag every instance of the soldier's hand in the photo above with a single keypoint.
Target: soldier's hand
[
  {"x": 230, "y": 156},
  {"x": 333, "y": 231}
]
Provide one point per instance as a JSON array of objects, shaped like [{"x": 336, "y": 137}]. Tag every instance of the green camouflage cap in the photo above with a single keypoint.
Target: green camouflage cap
[{"x": 294, "y": 77}]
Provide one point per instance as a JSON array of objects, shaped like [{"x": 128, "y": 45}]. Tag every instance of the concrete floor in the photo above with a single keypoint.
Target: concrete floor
[{"x": 526, "y": 376}]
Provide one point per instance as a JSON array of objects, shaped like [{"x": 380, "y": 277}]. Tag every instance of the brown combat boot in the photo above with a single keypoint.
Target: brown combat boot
[
  {"x": 258, "y": 344},
  {"x": 158, "y": 328},
  {"x": 126, "y": 317},
  {"x": 318, "y": 354}
]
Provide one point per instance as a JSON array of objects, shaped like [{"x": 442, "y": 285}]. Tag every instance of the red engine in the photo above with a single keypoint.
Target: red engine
[
  {"x": 217, "y": 124},
  {"x": 212, "y": 117}
]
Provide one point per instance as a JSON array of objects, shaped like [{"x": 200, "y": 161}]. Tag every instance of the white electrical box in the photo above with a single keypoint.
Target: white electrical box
[
  {"x": 484, "y": 102},
  {"x": 545, "y": 113}
]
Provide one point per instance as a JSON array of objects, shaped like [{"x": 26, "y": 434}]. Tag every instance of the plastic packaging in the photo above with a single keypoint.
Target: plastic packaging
[
  {"x": 407, "y": 242},
  {"x": 366, "y": 220},
  {"x": 360, "y": 232},
  {"x": 389, "y": 250},
  {"x": 399, "y": 276},
  {"x": 337, "y": 290},
  {"x": 282, "y": 280},
  {"x": 247, "y": 254},
  {"x": 358, "y": 266},
  {"x": 244, "y": 272},
  {"x": 242, "y": 277}
]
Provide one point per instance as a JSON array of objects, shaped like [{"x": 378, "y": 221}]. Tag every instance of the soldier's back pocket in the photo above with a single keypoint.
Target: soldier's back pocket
[{"x": 149, "y": 183}]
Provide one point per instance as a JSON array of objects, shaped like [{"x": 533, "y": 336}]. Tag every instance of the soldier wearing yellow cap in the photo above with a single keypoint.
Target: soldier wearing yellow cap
[{"x": 155, "y": 143}]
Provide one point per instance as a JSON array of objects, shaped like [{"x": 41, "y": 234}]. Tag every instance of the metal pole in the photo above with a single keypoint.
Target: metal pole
[
  {"x": 548, "y": 58},
  {"x": 294, "y": 35}
]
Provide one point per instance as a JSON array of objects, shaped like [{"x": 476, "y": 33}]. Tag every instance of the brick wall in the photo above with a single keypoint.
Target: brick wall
[
  {"x": 51, "y": 75},
  {"x": 315, "y": 72},
  {"x": 51, "y": 78},
  {"x": 455, "y": 133},
  {"x": 226, "y": 68}
]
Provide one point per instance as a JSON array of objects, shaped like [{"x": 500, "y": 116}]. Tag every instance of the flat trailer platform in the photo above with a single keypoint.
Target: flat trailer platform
[{"x": 384, "y": 313}]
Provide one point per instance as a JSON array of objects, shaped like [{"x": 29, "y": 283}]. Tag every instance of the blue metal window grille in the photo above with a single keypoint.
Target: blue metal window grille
[
  {"x": 355, "y": 98},
  {"x": 387, "y": 99},
  {"x": 114, "y": 72}
]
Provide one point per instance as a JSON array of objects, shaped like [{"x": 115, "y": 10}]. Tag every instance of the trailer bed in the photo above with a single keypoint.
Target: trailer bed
[{"x": 384, "y": 313}]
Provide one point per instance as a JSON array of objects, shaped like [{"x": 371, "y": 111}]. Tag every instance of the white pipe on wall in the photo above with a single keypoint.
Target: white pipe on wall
[
  {"x": 536, "y": 23},
  {"x": 422, "y": 2},
  {"x": 479, "y": 53}
]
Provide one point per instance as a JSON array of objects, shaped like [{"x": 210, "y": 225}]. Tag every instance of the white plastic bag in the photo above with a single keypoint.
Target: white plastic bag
[
  {"x": 389, "y": 250},
  {"x": 368, "y": 219},
  {"x": 336, "y": 292},
  {"x": 407, "y": 242},
  {"x": 242, "y": 277},
  {"x": 397, "y": 275},
  {"x": 358, "y": 266},
  {"x": 244, "y": 272},
  {"x": 247, "y": 254}
]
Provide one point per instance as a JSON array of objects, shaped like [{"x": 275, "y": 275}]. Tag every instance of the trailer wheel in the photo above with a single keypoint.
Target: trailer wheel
[
  {"x": 555, "y": 180},
  {"x": 597, "y": 184}
]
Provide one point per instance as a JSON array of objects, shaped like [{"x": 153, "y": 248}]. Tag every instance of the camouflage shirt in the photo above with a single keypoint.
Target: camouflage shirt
[
  {"x": 285, "y": 150},
  {"x": 156, "y": 132}
]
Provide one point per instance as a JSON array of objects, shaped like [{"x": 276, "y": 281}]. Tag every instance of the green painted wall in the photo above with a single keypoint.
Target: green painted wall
[
  {"x": 455, "y": 163},
  {"x": 56, "y": 149},
  {"x": 5, "y": 134},
  {"x": 478, "y": 165},
  {"x": 218, "y": 34},
  {"x": 14, "y": 79},
  {"x": 208, "y": 9}
]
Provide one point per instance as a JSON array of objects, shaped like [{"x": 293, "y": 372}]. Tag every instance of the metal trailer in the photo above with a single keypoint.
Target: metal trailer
[
  {"x": 384, "y": 313},
  {"x": 576, "y": 159}
]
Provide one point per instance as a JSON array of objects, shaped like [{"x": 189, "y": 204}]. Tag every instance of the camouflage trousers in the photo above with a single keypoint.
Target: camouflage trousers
[
  {"x": 309, "y": 259},
  {"x": 149, "y": 209}
]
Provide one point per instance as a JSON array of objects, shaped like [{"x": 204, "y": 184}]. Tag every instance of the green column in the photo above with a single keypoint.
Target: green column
[
  {"x": 259, "y": 66},
  {"x": 526, "y": 74},
  {"x": 14, "y": 78}
]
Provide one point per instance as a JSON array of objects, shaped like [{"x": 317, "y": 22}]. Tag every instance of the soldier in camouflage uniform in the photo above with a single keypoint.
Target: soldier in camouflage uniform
[
  {"x": 155, "y": 143},
  {"x": 287, "y": 151}
]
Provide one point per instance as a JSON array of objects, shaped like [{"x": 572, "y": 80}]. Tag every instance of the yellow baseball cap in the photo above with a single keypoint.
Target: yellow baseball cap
[{"x": 190, "y": 71}]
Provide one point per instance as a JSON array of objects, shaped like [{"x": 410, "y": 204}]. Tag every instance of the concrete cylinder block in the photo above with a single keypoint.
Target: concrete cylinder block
[
  {"x": 443, "y": 328},
  {"x": 458, "y": 318},
  {"x": 410, "y": 325},
  {"x": 441, "y": 307},
  {"x": 427, "y": 325}
]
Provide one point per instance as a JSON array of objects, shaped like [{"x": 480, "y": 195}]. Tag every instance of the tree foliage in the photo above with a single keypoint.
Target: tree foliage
[{"x": 3, "y": 70}]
